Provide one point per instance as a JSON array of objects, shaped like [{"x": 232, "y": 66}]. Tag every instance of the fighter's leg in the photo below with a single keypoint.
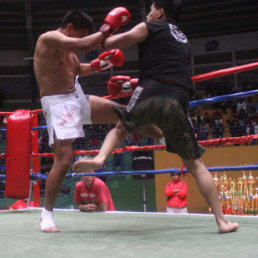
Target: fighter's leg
[
  {"x": 152, "y": 131},
  {"x": 62, "y": 161},
  {"x": 208, "y": 189},
  {"x": 112, "y": 141},
  {"x": 102, "y": 111}
]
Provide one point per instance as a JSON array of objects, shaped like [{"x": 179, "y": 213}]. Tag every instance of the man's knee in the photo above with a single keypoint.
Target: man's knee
[
  {"x": 63, "y": 161},
  {"x": 193, "y": 165}
]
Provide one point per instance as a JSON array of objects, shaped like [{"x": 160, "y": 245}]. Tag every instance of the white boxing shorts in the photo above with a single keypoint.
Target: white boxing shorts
[{"x": 65, "y": 114}]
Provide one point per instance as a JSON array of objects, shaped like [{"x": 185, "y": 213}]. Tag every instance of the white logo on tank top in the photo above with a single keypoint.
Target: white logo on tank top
[{"x": 177, "y": 34}]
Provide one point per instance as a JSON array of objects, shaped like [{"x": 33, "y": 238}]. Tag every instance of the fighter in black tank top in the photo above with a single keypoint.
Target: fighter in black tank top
[
  {"x": 166, "y": 55},
  {"x": 164, "y": 89},
  {"x": 162, "y": 96}
]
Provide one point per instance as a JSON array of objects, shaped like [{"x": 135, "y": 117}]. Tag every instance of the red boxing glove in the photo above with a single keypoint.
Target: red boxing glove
[
  {"x": 121, "y": 83},
  {"x": 117, "y": 17},
  {"x": 108, "y": 59}
]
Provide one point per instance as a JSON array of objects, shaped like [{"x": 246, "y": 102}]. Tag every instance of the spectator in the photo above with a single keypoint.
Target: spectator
[
  {"x": 176, "y": 192},
  {"x": 207, "y": 119},
  {"x": 94, "y": 141},
  {"x": 204, "y": 130},
  {"x": 46, "y": 165},
  {"x": 196, "y": 128},
  {"x": 241, "y": 105},
  {"x": 5, "y": 121},
  {"x": 198, "y": 118},
  {"x": 217, "y": 128},
  {"x": 137, "y": 139},
  {"x": 242, "y": 118},
  {"x": 252, "y": 114},
  {"x": 92, "y": 194},
  {"x": 216, "y": 113},
  {"x": 21, "y": 204},
  {"x": 129, "y": 140},
  {"x": 255, "y": 129},
  {"x": 250, "y": 105}
]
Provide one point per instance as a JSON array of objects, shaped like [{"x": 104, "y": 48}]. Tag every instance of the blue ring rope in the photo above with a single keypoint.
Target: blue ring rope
[
  {"x": 194, "y": 103},
  {"x": 208, "y": 101},
  {"x": 38, "y": 176},
  {"x": 163, "y": 171}
]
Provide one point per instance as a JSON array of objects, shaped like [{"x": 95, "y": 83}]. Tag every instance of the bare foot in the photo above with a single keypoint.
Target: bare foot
[
  {"x": 47, "y": 223},
  {"x": 84, "y": 165},
  {"x": 52, "y": 229},
  {"x": 227, "y": 227}
]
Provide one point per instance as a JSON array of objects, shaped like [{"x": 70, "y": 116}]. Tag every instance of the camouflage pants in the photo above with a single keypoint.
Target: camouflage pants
[{"x": 169, "y": 116}]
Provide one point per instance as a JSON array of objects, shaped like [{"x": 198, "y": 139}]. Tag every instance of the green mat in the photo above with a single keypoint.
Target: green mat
[{"x": 123, "y": 234}]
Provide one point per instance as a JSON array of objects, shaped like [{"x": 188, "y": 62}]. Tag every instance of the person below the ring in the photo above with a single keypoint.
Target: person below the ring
[
  {"x": 176, "y": 192},
  {"x": 92, "y": 194}
]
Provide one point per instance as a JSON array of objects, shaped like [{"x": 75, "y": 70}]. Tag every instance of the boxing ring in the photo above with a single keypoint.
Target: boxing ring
[
  {"x": 115, "y": 234},
  {"x": 123, "y": 234}
]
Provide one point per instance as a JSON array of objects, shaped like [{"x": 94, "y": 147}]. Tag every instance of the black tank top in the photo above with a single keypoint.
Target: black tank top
[{"x": 166, "y": 55}]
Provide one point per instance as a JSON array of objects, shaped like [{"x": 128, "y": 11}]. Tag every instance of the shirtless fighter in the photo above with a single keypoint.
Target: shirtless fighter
[{"x": 64, "y": 105}]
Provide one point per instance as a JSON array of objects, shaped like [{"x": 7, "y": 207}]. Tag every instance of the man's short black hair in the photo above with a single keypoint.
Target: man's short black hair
[
  {"x": 79, "y": 20},
  {"x": 172, "y": 8}
]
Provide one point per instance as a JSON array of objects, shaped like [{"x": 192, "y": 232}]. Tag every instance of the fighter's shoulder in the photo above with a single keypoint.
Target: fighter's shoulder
[
  {"x": 141, "y": 26},
  {"x": 50, "y": 36}
]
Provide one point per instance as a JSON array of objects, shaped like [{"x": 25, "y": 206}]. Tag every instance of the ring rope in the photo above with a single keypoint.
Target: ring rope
[
  {"x": 191, "y": 103},
  {"x": 221, "y": 98},
  {"x": 226, "y": 71},
  {"x": 208, "y": 143},
  {"x": 209, "y": 75},
  {"x": 196, "y": 78},
  {"x": 165, "y": 171},
  {"x": 38, "y": 176}
]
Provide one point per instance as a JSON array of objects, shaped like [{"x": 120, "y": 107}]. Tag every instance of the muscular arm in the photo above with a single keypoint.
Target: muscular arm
[
  {"x": 60, "y": 41},
  {"x": 84, "y": 70},
  {"x": 137, "y": 34}
]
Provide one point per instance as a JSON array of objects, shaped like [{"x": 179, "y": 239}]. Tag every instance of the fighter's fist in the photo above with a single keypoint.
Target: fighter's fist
[
  {"x": 108, "y": 59},
  {"x": 121, "y": 83},
  {"x": 116, "y": 18}
]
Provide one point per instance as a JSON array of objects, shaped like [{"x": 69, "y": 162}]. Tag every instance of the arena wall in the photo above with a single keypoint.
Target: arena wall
[{"x": 213, "y": 157}]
